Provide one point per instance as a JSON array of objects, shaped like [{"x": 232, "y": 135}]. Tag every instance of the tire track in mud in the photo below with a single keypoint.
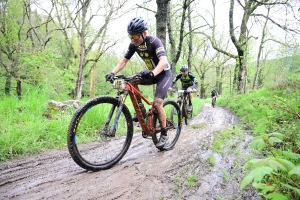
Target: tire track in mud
[{"x": 143, "y": 173}]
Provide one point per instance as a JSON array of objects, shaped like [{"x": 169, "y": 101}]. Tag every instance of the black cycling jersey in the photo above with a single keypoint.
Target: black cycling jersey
[
  {"x": 186, "y": 80},
  {"x": 214, "y": 93},
  {"x": 150, "y": 50}
]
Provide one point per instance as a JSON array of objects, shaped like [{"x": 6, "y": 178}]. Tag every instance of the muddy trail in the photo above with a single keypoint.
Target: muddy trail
[{"x": 189, "y": 171}]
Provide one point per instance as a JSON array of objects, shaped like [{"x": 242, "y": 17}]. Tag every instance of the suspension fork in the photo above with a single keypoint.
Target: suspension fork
[{"x": 121, "y": 100}]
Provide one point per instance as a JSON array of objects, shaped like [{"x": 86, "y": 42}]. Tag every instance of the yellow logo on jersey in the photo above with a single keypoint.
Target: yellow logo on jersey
[
  {"x": 146, "y": 55},
  {"x": 149, "y": 64},
  {"x": 142, "y": 47}
]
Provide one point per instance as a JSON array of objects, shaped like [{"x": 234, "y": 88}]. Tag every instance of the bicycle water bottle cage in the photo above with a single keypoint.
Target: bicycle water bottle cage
[{"x": 119, "y": 84}]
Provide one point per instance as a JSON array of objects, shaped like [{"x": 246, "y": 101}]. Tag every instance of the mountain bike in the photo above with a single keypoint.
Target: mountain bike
[
  {"x": 187, "y": 114},
  {"x": 101, "y": 130},
  {"x": 213, "y": 101}
]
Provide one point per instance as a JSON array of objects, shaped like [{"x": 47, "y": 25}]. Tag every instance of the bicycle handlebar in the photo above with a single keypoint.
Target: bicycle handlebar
[
  {"x": 185, "y": 91},
  {"x": 137, "y": 76}
]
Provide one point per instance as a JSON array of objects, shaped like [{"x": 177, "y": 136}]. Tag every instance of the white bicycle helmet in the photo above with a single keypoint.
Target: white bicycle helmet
[{"x": 184, "y": 68}]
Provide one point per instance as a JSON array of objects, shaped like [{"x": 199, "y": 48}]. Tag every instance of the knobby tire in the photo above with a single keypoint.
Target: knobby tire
[
  {"x": 174, "y": 120},
  {"x": 213, "y": 102},
  {"x": 88, "y": 146}
]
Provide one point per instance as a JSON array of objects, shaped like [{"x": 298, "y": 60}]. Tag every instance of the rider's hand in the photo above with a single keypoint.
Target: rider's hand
[
  {"x": 147, "y": 74},
  {"x": 194, "y": 90},
  {"x": 170, "y": 89},
  {"x": 110, "y": 76},
  {"x": 189, "y": 89}
]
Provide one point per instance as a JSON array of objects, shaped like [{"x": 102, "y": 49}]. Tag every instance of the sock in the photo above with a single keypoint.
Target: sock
[
  {"x": 190, "y": 103},
  {"x": 163, "y": 131}
]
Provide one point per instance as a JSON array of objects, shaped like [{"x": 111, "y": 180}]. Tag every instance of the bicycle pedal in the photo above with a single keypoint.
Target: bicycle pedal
[{"x": 144, "y": 135}]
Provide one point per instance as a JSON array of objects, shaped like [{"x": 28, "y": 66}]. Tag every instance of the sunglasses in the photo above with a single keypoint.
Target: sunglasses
[{"x": 134, "y": 36}]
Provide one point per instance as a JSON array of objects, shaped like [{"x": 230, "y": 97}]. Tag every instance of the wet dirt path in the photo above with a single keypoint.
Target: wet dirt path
[{"x": 143, "y": 173}]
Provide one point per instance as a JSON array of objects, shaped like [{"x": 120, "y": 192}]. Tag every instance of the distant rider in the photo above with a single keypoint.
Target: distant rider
[
  {"x": 214, "y": 93},
  {"x": 188, "y": 82}
]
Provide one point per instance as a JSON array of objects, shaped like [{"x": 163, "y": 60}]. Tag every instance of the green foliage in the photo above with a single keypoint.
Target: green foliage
[
  {"x": 212, "y": 160},
  {"x": 273, "y": 115},
  {"x": 260, "y": 142},
  {"x": 24, "y": 128},
  {"x": 191, "y": 181}
]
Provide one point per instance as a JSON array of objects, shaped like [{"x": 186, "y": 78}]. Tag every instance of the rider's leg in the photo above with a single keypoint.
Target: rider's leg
[
  {"x": 164, "y": 81},
  {"x": 158, "y": 105},
  {"x": 190, "y": 99}
]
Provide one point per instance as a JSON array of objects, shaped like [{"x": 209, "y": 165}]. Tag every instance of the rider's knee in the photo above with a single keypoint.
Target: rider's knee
[{"x": 158, "y": 102}]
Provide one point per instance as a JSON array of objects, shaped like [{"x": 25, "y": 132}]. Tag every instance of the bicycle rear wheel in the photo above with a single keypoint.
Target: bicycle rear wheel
[
  {"x": 174, "y": 124},
  {"x": 91, "y": 143}
]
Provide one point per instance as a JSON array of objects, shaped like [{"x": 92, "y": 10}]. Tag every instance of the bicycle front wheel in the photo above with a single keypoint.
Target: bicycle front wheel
[
  {"x": 174, "y": 124},
  {"x": 92, "y": 142},
  {"x": 213, "y": 102},
  {"x": 189, "y": 113}
]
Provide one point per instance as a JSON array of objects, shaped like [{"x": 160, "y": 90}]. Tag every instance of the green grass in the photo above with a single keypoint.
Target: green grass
[
  {"x": 272, "y": 115},
  {"x": 24, "y": 128},
  {"x": 222, "y": 138}
]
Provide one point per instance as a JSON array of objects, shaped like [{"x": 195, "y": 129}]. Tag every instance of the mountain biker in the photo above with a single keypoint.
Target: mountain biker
[
  {"x": 152, "y": 51},
  {"x": 214, "y": 93},
  {"x": 188, "y": 82}
]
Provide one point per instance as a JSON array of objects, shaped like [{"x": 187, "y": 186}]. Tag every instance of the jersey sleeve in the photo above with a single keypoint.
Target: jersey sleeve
[
  {"x": 158, "y": 46},
  {"x": 193, "y": 78},
  {"x": 130, "y": 51},
  {"x": 176, "y": 78}
]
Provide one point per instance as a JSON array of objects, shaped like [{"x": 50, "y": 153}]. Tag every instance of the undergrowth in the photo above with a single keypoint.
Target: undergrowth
[{"x": 273, "y": 117}]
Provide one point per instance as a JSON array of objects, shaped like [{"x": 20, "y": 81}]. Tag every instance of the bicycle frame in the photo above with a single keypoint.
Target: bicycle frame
[{"x": 128, "y": 88}]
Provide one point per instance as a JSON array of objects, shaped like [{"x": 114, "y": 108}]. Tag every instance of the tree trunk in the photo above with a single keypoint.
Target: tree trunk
[
  {"x": 190, "y": 53},
  {"x": 218, "y": 79},
  {"x": 92, "y": 85},
  {"x": 80, "y": 80},
  {"x": 241, "y": 74},
  {"x": 176, "y": 54},
  {"x": 8, "y": 85},
  {"x": 260, "y": 50},
  {"x": 19, "y": 89},
  {"x": 202, "y": 88},
  {"x": 161, "y": 20},
  {"x": 82, "y": 32}
]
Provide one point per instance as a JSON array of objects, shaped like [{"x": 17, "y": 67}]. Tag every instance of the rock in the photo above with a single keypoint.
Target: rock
[{"x": 64, "y": 105}]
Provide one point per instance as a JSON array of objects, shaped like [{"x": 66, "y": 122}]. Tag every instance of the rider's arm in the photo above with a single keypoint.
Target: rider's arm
[
  {"x": 196, "y": 85},
  {"x": 163, "y": 62},
  {"x": 121, "y": 64},
  {"x": 194, "y": 80},
  {"x": 175, "y": 79}
]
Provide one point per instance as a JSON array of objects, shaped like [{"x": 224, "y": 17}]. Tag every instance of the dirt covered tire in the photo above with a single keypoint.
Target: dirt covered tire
[
  {"x": 174, "y": 123},
  {"x": 188, "y": 114},
  {"x": 90, "y": 143},
  {"x": 213, "y": 102}
]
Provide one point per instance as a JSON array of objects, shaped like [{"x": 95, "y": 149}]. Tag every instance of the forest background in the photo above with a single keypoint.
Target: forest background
[{"x": 248, "y": 50}]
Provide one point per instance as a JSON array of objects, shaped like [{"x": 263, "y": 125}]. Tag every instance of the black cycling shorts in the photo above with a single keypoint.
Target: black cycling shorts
[{"x": 163, "y": 81}]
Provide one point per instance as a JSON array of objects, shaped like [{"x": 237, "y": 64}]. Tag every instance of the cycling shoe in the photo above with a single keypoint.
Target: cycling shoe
[{"x": 162, "y": 141}]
